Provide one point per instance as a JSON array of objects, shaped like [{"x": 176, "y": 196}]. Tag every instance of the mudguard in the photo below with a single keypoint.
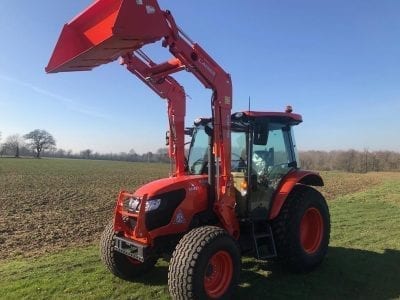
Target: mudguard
[{"x": 288, "y": 183}]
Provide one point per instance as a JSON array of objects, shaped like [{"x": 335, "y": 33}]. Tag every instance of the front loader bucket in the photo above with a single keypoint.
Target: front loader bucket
[{"x": 104, "y": 31}]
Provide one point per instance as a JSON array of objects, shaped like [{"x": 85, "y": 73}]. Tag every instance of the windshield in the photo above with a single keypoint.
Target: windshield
[
  {"x": 238, "y": 151},
  {"x": 197, "y": 161}
]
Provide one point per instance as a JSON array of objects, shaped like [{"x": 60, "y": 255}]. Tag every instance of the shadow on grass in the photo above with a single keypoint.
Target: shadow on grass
[
  {"x": 156, "y": 276},
  {"x": 345, "y": 273}
]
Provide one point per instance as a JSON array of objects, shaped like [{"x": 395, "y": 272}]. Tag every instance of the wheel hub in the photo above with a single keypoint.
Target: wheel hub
[
  {"x": 218, "y": 274},
  {"x": 311, "y": 230}
]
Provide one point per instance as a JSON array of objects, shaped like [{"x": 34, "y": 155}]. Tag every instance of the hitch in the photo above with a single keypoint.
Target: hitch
[{"x": 130, "y": 248}]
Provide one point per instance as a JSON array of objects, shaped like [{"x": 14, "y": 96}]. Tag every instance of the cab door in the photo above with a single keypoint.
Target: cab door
[{"x": 270, "y": 162}]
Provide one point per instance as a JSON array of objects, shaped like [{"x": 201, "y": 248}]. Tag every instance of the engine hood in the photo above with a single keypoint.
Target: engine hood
[{"x": 191, "y": 184}]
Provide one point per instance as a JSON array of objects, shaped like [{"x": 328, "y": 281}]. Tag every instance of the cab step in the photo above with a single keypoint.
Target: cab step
[{"x": 264, "y": 244}]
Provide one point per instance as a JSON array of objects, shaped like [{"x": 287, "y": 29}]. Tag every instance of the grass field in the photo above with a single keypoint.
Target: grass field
[{"x": 52, "y": 212}]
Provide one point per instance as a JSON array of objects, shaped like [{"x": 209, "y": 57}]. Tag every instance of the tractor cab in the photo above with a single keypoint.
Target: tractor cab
[{"x": 263, "y": 152}]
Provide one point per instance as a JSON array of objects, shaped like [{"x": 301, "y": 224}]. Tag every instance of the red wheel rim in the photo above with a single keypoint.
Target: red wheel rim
[
  {"x": 218, "y": 274},
  {"x": 311, "y": 230}
]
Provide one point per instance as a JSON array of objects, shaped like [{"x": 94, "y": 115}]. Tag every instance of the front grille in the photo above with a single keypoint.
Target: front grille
[{"x": 130, "y": 222}]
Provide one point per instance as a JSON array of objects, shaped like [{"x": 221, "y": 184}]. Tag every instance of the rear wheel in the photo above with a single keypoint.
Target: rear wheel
[
  {"x": 302, "y": 229},
  {"x": 117, "y": 263},
  {"x": 204, "y": 265}
]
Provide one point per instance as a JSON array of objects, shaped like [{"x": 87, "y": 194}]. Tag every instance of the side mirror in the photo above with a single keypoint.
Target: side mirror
[
  {"x": 209, "y": 129},
  {"x": 167, "y": 138},
  {"x": 260, "y": 135}
]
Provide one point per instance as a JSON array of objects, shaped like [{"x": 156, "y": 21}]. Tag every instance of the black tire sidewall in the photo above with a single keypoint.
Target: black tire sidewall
[{"x": 286, "y": 229}]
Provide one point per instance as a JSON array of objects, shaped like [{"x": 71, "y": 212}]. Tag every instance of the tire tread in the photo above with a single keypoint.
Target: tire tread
[{"x": 182, "y": 267}]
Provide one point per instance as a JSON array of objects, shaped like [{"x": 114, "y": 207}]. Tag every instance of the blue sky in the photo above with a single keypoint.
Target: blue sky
[{"x": 336, "y": 62}]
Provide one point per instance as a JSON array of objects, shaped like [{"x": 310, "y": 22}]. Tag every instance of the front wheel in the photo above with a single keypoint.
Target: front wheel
[
  {"x": 302, "y": 229},
  {"x": 119, "y": 264},
  {"x": 204, "y": 265}
]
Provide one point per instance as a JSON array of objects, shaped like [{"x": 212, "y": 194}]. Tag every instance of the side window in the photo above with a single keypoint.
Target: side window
[
  {"x": 276, "y": 144},
  {"x": 198, "y": 152}
]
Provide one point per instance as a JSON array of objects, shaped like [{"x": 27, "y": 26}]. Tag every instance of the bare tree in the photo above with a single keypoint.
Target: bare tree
[
  {"x": 40, "y": 140},
  {"x": 60, "y": 153},
  {"x": 1, "y": 147},
  {"x": 149, "y": 156},
  {"x": 13, "y": 144},
  {"x": 86, "y": 153},
  {"x": 132, "y": 155},
  {"x": 162, "y": 155}
]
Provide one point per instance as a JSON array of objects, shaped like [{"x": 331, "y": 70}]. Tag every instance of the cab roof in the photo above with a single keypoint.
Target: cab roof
[
  {"x": 280, "y": 117},
  {"x": 287, "y": 118}
]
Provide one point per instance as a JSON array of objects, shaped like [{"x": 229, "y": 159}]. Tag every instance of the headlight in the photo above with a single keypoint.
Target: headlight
[
  {"x": 133, "y": 204},
  {"x": 152, "y": 204}
]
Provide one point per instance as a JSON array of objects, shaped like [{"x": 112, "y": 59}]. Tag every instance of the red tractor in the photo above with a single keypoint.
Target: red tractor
[{"x": 239, "y": 191}]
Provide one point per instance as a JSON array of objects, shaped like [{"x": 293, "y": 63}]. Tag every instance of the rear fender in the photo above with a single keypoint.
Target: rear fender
[{"x": 287, "y": 185}]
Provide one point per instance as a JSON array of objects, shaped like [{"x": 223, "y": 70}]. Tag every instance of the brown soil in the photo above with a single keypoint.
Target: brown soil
[{"x": 49, "y": 206}]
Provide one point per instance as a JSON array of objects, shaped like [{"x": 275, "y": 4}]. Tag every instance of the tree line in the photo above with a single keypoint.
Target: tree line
[
  {"x": 40, "y": 143},
  {"x": 161, "y": 155},
  {"x": 350, "y": 160}
]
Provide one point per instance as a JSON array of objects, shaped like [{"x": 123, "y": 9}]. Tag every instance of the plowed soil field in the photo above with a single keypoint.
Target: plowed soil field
[{"x": 49, "y": 204}]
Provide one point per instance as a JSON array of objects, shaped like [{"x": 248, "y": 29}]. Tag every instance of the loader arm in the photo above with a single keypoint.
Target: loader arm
[
  {"x": 168, "y": 88},
  {"x": 109, "y": 29}
]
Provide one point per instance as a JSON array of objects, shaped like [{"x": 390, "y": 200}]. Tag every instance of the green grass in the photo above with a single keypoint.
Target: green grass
[
  {"x": 75, "y": 274},
  {"x": 363, "y": 261}
]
